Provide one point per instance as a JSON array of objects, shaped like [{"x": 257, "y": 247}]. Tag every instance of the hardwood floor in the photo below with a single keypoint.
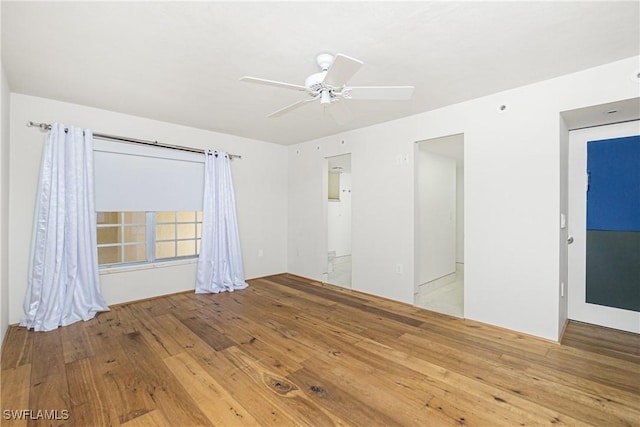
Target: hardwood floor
[{"x": 288, "y": 351}]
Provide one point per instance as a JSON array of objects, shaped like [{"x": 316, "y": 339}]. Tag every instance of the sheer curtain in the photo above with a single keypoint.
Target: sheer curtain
[
  {"x": 220, "y": 261},
  {"x": 63, "y": 282}
]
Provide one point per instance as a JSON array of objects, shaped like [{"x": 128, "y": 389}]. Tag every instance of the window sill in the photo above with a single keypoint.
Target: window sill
[{"x": 146, "y": 266}]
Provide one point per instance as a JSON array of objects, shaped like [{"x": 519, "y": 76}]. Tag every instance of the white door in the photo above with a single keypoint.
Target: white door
[{"x": 578, "y": 308}]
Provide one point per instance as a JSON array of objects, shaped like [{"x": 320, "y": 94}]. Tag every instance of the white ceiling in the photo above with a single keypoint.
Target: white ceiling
[{"x": 180, "y": 61}]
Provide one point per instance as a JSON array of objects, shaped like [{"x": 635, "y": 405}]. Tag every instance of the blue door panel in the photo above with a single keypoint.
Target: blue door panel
[{"x": 613, "y": 199}]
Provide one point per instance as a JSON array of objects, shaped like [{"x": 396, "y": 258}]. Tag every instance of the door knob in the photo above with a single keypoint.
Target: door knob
[{"x": 570, "y": 240}]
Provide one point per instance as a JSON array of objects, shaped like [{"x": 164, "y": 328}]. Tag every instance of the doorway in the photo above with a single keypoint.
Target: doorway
[
  {"x": 339, "y": 220},
  {"x": 439, "y": 223}
]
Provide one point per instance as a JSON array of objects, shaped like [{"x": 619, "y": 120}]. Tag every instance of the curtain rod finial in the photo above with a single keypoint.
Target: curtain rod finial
[{"x": 43, "y": 126}]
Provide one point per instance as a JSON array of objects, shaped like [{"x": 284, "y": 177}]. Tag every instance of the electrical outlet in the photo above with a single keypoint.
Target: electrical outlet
[{"x": 399, "y": 269}]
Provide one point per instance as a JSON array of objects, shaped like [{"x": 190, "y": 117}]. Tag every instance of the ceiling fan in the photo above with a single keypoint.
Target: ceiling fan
[{"x": 329, "y": 86}]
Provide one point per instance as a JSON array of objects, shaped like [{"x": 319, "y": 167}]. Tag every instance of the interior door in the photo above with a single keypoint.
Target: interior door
[{"x": 578, "y": 307}]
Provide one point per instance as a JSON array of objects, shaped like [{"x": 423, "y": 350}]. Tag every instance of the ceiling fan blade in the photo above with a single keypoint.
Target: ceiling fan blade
[
  {"x": 342, "y": 69},
  {"x": 291, "y": 107},
  {"x": 340, "y": 112},
  {"x": 274, "y": 83},
  {"x": 386, "y": 93}
]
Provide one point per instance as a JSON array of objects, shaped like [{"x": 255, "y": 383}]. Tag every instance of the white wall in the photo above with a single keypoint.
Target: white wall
[
  {"x": 460, "y": 214},
  {"x": 436, "y": 234},
  {"x": 578, "y": 308},
  {"x": 260, "y": 182},
  {"x": 339, "y": 219},
  {"x": 512, "y": 197},
  {"x": 4, "y": 205}
]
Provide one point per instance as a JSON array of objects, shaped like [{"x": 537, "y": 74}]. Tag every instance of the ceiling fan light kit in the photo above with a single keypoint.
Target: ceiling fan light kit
[{"x": 330, "y": 87}]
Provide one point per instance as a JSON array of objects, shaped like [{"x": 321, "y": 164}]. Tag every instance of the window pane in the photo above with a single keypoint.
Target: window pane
[
  {"x": 165, "y": 250},
  {"x": 109, "y": 255},
  {"x": 186, "y": 247},
  {"x": 135, "y": 234},
  {"x": 186, "y": 216},
  {"x": 108, "y": 217},
  {"x": 199, "y": 233},
  {"x": 133, "y": 253},
  {"x": 198, "y": 247},
  {"x": 165, "y": 232},
  {"x": 135, "y": 217},
  {"x": 199, "y": 216},
  {"x": 165, "y": 217},
  {"x": 108, "y": 235},
  {"x": 187, "y": 231}
]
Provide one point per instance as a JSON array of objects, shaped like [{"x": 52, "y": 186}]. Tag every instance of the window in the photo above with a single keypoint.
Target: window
[
  {"x": 148, "y": 201},
  {"x": 177, "y": 234},
  {"x": 142, "y": 237}
]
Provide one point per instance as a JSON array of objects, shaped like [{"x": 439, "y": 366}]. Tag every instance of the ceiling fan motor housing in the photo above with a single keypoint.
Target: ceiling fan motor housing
[{"x": 314, "y": 81}]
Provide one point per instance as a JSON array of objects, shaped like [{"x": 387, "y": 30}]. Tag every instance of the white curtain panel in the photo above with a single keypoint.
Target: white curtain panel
[
  {"x": 63, "y": 282},
  {"x": 220, "y": 261}
]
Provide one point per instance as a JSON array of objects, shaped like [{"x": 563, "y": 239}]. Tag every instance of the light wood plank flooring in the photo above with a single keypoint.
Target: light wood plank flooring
[{"x": 288, "y": 351}]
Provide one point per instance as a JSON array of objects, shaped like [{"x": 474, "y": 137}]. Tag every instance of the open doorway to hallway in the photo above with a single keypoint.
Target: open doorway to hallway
[
  {"x": 439, "y": 239},
  {"x": 339, "y": 220}
]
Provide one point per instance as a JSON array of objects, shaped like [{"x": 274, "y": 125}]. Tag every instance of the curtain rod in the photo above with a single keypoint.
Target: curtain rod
[{"x": 47, "y": 126}]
